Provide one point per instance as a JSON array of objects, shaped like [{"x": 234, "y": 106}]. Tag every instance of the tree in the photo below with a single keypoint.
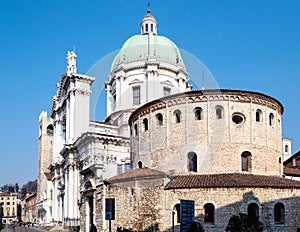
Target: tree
[
  {"x": 8, "y": 188},
  {"x": 242, "y": 223},
  {"x": 29, "y": 187},
  {"x": 17, "y": 188}
]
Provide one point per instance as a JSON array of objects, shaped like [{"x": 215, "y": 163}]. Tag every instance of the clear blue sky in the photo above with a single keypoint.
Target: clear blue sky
[{"x": 249, "y": 45}]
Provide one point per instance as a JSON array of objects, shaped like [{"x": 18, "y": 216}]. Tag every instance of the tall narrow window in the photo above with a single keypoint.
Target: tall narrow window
[
  {"x": 209, "y": 213},
  {"x": 258, "y": 115},
  {"x": 167, "y": 91},
  {"x": 198, "y": 113},
  {"x": 177, "y": 213},
  {"x": 145, "y": 122},
  {"x": 246, "y": 161},
  {"x": 177, "y": 115},
  {"x": 286, "y": 148},
  {"x": 114, "y": 101},
  {"x": 159, "y": 119},
  {"x": 192, "y": 162},
  {"x": 271, "y": 119},
  {"x": 136, "y": 95},
  {"x": 151, "y": 27},
  {"x": 279, "y": 213},
  {"x": 147, "y": 27},
  {"x": 219, "y": 112},
  {"x": 253, "y": 213},
  {"x": 136, "y": 132}
]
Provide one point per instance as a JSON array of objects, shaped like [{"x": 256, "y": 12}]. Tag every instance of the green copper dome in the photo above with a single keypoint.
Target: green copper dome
[{"x": 139, "y": 47}]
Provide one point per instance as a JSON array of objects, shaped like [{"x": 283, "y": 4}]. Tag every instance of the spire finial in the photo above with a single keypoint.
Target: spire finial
[{"x": 148, "y": 11}]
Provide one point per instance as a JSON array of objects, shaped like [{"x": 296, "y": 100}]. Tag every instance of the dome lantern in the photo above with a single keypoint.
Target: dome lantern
[{"x": 148, "y": 24}]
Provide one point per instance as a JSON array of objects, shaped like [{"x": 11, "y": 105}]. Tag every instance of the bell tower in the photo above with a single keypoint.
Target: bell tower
[{"x": 148, "y": 24}]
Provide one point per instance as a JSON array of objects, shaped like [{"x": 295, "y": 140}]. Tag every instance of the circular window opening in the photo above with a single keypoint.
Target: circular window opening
[{"x": 238, "y": 119}]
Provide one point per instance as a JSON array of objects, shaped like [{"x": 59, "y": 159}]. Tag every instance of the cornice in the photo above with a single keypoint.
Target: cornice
[
  {"x": 139, "y": 64},
  {"x": 102, "y": 138},
  {"x": 217, "y": 95}
]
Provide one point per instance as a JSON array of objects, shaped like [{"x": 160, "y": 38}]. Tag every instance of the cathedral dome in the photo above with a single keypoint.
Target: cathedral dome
[{"x": 148, "y": 44}]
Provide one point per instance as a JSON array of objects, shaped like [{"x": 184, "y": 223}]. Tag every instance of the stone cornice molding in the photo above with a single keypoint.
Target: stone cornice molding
[
  {"x": 59, "y": 99},
  {"x": 138, "y": 64},
  {"x": 103, "y": 138},
  {"x": 211, "y": 96},
  {"x": 80, "y": 92},
  {"x": 76, "y": 77}
]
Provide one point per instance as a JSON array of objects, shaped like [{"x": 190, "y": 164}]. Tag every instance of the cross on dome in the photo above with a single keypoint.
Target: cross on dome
[{"x": 148, "y": 24}]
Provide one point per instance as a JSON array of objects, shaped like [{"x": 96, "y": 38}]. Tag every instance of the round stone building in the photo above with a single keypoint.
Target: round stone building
[{"x": 209, "y": 131}]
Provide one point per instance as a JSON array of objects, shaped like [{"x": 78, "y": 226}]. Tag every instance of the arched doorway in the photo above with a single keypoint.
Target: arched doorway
[{"x": 88, "y": 196}]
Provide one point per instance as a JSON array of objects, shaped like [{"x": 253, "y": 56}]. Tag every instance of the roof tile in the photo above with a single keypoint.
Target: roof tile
[
  {"x": 230, "y": 180},
  {"x": 135, "y": 174}
]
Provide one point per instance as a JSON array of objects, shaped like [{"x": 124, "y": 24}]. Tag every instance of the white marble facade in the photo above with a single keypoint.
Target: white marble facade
[{"x": 86, "y": 152}]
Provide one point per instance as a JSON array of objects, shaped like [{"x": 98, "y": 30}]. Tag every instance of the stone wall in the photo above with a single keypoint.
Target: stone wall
[
  {"x": 218, "y": 143},
  {"x": 138, "y": 204},
  {"x": 145, "y": 204},
  {"x": 232, "y": 201}
]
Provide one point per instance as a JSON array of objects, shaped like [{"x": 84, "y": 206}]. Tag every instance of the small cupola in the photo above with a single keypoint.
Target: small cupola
[{"x": 148, "y": 24}]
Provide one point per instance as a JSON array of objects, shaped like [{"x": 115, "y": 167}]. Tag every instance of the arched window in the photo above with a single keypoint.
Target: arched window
[
  {"x": 176, "y": 213},
  {"x": 246, "y": 161},
  {"x": 286, "y": 148},
  {"x": 159, "y": 119},
  {"x": 140, "y": 164},
  {"x": 136, "y": 133},
  {"x": 192, "y": 162},
  {"x": 147, "y": 27},
  {"x": 151, "y": 27},
  {"x": 145, "y": 123},
  {"x": 177, "y": 115},
  {"x": 258, "y": 115},
  {"x": 209, "y": 213},
  {"x": 279, "y": 213},
  {"x": 271, "y": 119},
  {"x": 50, "y": 129},
  {"x": 253, "y": 213},
  {"x": 198, "y": 113},
  {"x": 219, "y": 112}
]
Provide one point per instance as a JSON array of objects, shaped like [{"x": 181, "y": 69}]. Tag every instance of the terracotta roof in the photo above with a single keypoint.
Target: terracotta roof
[
  {"x": 291, "y": 158},
  {"x": 4, "y": 194},
  {"x": 48, "y": 175},
  {"x": 234, "y": 180},
  {"x": 291, "y": 171},
  {"x": 137, "y": 174}
]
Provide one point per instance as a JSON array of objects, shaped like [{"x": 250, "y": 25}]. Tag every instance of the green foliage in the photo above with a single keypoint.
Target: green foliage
[
  {"x": 17, "y": 188},
  {"x": 196, "y": 227},
  {"x": 242, "y": 223},
  {"x": 1, "y": 226}
]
